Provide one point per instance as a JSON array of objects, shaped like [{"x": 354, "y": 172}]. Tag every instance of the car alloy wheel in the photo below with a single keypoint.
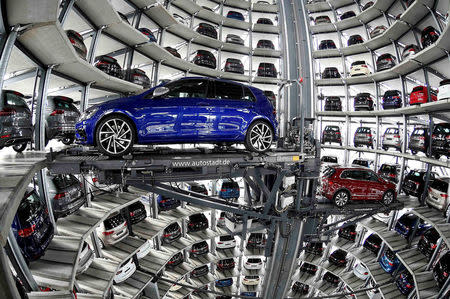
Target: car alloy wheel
[
  {"x": 447, "y": 212},
  {"x": 259, "y": 137},
  {"x": 115, "y": 136},
  {"x": 388, "y": 197},
  {"x": 341, "y": 198},
  {"x": 20, "y": 147}
]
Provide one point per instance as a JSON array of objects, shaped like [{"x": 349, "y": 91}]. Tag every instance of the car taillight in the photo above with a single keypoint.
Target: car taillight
[
  {"x": 444, "y": 195},
  {"x": 219, "y": 242},
  {"x": 369, "y": 135},
  {"x": 26, "y": 232},
  {"x": 363, "y": 65},
  {"x": 445, "y": 274},
  {"x": 392, "y": 175},
  {"x": 223, "y": 190},
  {"x": 191, "y": 224},
  {"x": 422, "y": 137},
  {"x": 57, "y": 111},
  {"x": 396, "y": 136},
  {"x": 118, "y": 272},
  {"x": 94, "y": 180},
  {"x": 131, "y": 214},
  {"x": 166, "y": 235},
  {"x": 60, "y": 195},
  {"x": 447, "y": 137},
  {"x": 338, "y": 133},
  {"x": 432, "y": 33},
  {"x": 8, "y": 111},
  {"x": 390, "y": 264},
  {"x": 433, "y": 136},
  {"x": 408, "y": 286},
  {"x": 108, "y": 233},
  {"x": 5, "y": 136},
  {"x": 193, "y": 250},
  {"x": 433, "y": 246}
]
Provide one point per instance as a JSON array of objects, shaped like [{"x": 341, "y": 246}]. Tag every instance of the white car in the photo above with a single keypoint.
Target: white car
[
  {"x": 226, "y": 242},
  {"x": 253, "y": 264},
  {"x": 144, "y": 249},
  {"x": 251, "y": 280},
  {"x": 438, "y": 192},
  {"x": 444, "y": 90},
  {"x": 359, "y": 68},
  {"x": 125, "y": 271},
  {"x": 176, "y": 287},
  {"x": 221, "y": 220},
  {"x": 361, "y": 271},
  {"x": 374, "y": 293},
  {"x": 180, "y": 19},
  {"x": 112, "y": 230},
  {"x": 347, "y": 289},
  {"x": 85, "y": 259}
]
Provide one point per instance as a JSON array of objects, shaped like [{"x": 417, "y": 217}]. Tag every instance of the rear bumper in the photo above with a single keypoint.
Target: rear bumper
[{"x": 12, "y": 135}]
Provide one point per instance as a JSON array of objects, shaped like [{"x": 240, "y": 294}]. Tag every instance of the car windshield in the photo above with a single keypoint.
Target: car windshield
[
  {"x": 334, "y": 129},
  {"x": 391, "y": 131},
  {"x": 388, "y": 168},
  {"x": 226, "y": 238},
  {"x": 363, "y": 130},
  {"x": 418, "y": 88},
  {"x": 329, "y": 172},
  {"x": 439, "y": 185},
  {"x": 230, "y": 185},
  {"x": 62, "y": 181},
  {"x": 419, "y": 132},
  {"x": 329, "y": 159}
]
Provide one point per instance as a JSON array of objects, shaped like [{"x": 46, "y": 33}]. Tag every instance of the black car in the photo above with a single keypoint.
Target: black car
[
  {"x": 347, "y": 14},
  {"x": 348, "y": 232},
  {"x": 77, "y": 42},
  {"x": 442, "y": 269},
  {"x": 167, "y": 203},
  {"x": 147, "y": 32},
  {"x": 205, "y": 58},
  {"x": 331, "y": 134},
  {"x": 367, "y": 5},
  {"x": 331, "y": 278},
  {"x": 176, "y": 260},
  {"x": 392, "y": 99},
  {"x": 200, "y": 248},
  {"x": 429, "y": 36},
  {"x": 410, "y": 50},
  {"x": 315, "y": 248},
  {"x": 338, "y": 258},
  {"x": 327, "y": 44},
  {"x": 60, "y": 118},
  {"x": 197, "y": 222},
  {"x": 363, "y": 101},
  {"x": 363, "y": 162},
  {"x": 265, "y": 44},
  {"x": 197, "y": 188},
  {"x": 267, "y": 70},
  {"x": 389, "y": 172},
  {"x": 256, "y": 240},
  {"x": 406, "y": 223},
  {"x": 440, "y": 140},
  {"x": 207, "y": 29},
  {"x": 418, "y": 141},
  {"x": 333, "y": 104},
  {"x": 200, "y": 271},
  {"x": 69, "y": 195},
  {"x": 264, "y": 21},
  {"x": 173, "y": 51},
  {"x": 385, "y": 62},
  {"x": 139, "y": 77},
  {"x": 329, "y": 159},
  {"x": 414, "y": 182},
  {"x": 233, "y": 65},
  {"x": 226, "y": 264},
  {"x": 308, "y": 268},
  {"x": 428, "y": 242},
  {"x": 322, "y": 20},
  {"x": 16, "y": 127},
  {"x": 300, "y": 288},
  {"x": 137, "y": 212},
  {"x": 405, "y": 283},
  {"x": 109, "y": 65},
  {"x": 373, "y": 243},
  {"x": 171, "y": 233},
  {"x": 331, "y": 73},
  {"x": 355, "y": 39}
]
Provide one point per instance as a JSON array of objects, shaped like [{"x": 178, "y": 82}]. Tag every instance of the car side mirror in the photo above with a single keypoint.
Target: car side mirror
[{"x": 160, "y": 91}]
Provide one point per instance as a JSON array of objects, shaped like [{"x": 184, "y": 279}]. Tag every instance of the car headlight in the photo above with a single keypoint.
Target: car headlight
[{"x": 88, "y": 114}]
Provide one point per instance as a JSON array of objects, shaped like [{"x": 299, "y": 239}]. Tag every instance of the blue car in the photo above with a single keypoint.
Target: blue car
[
  {"x": 248, "y": 294},
  {"x": 229, "y": 190},
  {"x": 389, "y": 262},
  {"x": 227, "y": 282},
  {"x": 149, "y": 34},
  {"x": 166, "y": 203},
  {"x": 405, "y": 283},
  {"x": 235, "y": 15},
  {"x": 405, "y": 225},
  {"x": 32, "y": 226},
  {"x": 188, "y": 110},
  {"x": 392, "y": 99}
]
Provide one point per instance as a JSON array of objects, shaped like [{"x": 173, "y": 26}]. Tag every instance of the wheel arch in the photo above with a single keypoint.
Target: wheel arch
[
  {"x": 117, "y": 113},
  {"x": 263, "y": 119},
  {"x": 343, "y": 189}
]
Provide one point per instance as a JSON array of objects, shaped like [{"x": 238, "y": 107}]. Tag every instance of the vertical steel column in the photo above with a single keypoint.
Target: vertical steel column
[
  {"x": 84, "y": 103},
  {"x": 66, "y": 8},
  {"x": 435, "y": 254},
  {"x": 6, "y": 53},
  {"x": 7, "y": 283},
  {"x": 429, "y": 166},
  {"x": 39, "y": 131},
  {"x": 381, "y": 251},
  {"x": 94, "y": 43},
  {"x": 250, "y": 45}
]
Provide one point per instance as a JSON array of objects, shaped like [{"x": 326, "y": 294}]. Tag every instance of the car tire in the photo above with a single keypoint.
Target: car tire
[
  {"x": 68, "y": 140},
  {"x": 447, "y": 212},
  {"x": 20, "y": 147},
  {"x": 388, "y": 197},
  {"x": 341, "y": 198},
  {"x": 413, "y": 152},
  {"x": 259, "y": 137},
  {"x": 109, "y": 126}
]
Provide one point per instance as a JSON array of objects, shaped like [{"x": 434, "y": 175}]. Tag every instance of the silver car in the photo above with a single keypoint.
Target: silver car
[
  {"x": 234, "y": 39},
  {"x": 392, "y": 138},
  {"x": 438, "y": 193}
]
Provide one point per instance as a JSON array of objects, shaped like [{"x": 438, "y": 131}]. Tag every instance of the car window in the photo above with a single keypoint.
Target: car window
[
  {"x": 14, "y": 100},
  {"x": 248, "y": 95},
  {"x": 370, "y": 176},
  {"x": 29, "y": 206},
  {"x": 228, "y": 91},
  {"x": 187, "y": 89}
]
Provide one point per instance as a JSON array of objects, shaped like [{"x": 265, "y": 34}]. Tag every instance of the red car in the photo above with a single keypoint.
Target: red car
[
  {"x": 419, "y": 95},
  {"x": 342, "y": 184}
]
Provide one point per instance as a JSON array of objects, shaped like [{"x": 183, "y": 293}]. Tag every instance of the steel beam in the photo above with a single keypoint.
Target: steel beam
[
  {"x": 6, "y": 54},
  {"x": 39, "y": 131}
]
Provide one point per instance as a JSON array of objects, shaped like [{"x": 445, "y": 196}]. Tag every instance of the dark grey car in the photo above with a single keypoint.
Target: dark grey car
[
  {"x": 61, "y": 117},
  {"x": 16, "y": 128},
  {"x": 66, "y": 193},
  {"x": 233, "y": 65},
  {"x": 234, "y": 39},
  {"x": 364, "y": 136}
]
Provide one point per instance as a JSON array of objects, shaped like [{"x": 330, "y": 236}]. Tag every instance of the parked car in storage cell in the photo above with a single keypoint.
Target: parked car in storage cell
[
  {"x": 113, "y": 229},
  {"x": 385, "y": 62},
  {"x": 331, "y": 278},
  {"x": 109, "y": 65},
  {"x": 444, "y": 90},
  {"x": 267, "y": 70},
  {"x": 418, "y": 141},
  {"x": 338, "y": 258},
  {"x": 419, "y": 95},
  {"x": 410, "y": 51},
  {"x": 389, "y": 262},
  {"x": 265, "y": 44},
  {"x": 235, "y": 15},
  {"x": 147, "y": 32},
  {"x": 364, "y": 136},
  {"x": 347, "y": 14},
  {"x": 327, "y": 44},
  {"x": 226, "y": 242},
  {"x": 405, "y": 283},
  {"x": 373, "y": 243},
  {"x": 197, "y": 188},
  {"x": 227, "y": 282},
  {"x": 377, "y": 31},
  {"x": 360, "y": 270},
  {"x": 348, "y": 232},
  {"x": 363, "y": 101},
  {"x": 31, "y": 226},
  {"x": 414, "y": 182},
  {"x": 225, "y": 264},
  {"x": 392, "y": 99},
  {"x": 438, "y": 194},
  {"x": 253, "y": 264},
  {"x": 173, "y": 51},
  {"x": 77, "y": 42},
  {"x": 207, "y": 30},
  {"x": 197, "y": 222},
  {"x": 16, "y": 127},
  {"x": 406, "y": 223},
  {"x": 331, "y": 73},
  {"x": 265, "y": 21},
  {"x": 137, "y": 212},
  {"x": 256, "y": 240},
  {"x": 67, "y": 194},
  {"x": 200, "y": 271},
  {"x": 392, "y": 138},
  {"x": 199, "y": 249},
  {"x": 300, "y": 288},
  {"x": 389, "y": 172},
  {"x": 61, "y": 116},
  {"x": 363, "y": 162},
  {"x": 205, "y": 58},
  {"x": 440, "y": 140},
  {"x": 322, "y": 20},
  {"x": 139, "y": 77},
  {"x": 355, "y": 39},
  {"x": 175, "y": 260},
  {"x": 342, "y": 184},
  {"x": 125, "y": 271},
  {"x": 308, "y": 268},
  {"x": 429, "y": 36},
  {"x": 315, "y": 248},
  {"x": 234, "y": 39},
  {"x": 332, "y": 134},
  {"x": 441, "y": 269},
  {"x": 428, "y": 242},
  {"x": 229, "y": 190},
  {"x": 251, "y": 280},
  {"x": 166, "y": 203},
  {"x": 171, "y": 233},
  {"x": 359, "y": 68},
  {"x": 233, "y": 65},
  {"x": 333, "y": 104}
]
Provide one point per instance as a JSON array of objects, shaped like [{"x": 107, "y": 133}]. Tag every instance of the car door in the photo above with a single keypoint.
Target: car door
[
  {"x": 375, "y": 189},
  {"x": 235, "y": 109}
]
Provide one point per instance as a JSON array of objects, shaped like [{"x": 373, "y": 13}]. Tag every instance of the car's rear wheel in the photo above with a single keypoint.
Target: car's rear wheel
[
  {"x": 68, "y": 140},
  {"x": 259, "y": 137},
  {"x": 115, "y": 136},
  {"x": 20, "y": 147},
  {"x": 413, "y": 152},
  {"x": 341, "y": 198},
  {"x": 388, "y": 197}
]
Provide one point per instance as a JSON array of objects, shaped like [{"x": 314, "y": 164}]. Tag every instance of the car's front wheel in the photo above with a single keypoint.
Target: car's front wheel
[
  {"x": 259, "y": 137},
  {"x": 115, "y": 136},
  {"x": 20, "y": 147},
  {"x": 388, "y": 197},
  {"x": 341, "y": 198}
]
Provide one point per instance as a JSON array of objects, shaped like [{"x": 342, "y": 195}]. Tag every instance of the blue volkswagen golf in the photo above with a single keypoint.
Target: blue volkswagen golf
[{"x": 188, "y": 110}]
